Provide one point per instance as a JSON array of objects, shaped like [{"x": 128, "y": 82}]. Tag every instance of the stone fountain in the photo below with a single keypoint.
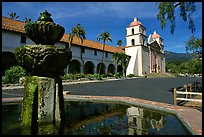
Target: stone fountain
[{"x": 43, "y": 103}]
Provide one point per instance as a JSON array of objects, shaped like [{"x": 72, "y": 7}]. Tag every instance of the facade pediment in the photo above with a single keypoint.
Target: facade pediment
[{"x": 154, "y": 45}]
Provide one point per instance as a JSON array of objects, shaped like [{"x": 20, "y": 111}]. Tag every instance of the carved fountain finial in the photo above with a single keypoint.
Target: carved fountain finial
[
  {"x": 45, "y": 16},
  {"x": 43, "y": 59},
  {"x": 44, "y": 31}
]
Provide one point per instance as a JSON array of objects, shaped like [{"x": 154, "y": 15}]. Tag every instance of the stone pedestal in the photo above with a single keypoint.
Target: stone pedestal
[{"x": 42, "y": 108}]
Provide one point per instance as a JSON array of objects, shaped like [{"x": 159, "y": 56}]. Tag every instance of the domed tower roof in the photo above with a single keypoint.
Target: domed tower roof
[
  {"x": 135, "y": 23},
  {"x": 155, "y": 35}
]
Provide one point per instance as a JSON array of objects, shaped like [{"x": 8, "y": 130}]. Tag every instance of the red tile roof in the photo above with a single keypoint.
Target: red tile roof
[
  {"x": 18, "y": 26},
  {"x": 135, "y": 23},
  {"x": 155, "y": 35}
]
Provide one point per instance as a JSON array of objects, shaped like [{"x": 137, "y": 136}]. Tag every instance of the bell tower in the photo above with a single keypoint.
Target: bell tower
[{"x": 135, "y": 41}]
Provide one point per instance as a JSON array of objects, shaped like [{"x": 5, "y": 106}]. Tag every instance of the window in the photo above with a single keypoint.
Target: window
[
  {"x": 133, "y": 42},
  {"x": 95, "y": 52},
  {"x": 82, "y": 50},
  {"x": 132, "y": 31},
  {"x": 23, "y": 39},
  {"x": 106, "y": 54}
]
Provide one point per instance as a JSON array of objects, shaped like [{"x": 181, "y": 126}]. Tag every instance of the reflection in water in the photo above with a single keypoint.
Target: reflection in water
[
  {"x": 88, "y": 118},
  {"x": 140, "y": 121}
]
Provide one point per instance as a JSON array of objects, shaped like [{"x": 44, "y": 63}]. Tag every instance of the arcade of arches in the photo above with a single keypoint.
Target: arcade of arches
[
  {"x": 90, "y": 68},
  {"x": 9, "y": 60}
]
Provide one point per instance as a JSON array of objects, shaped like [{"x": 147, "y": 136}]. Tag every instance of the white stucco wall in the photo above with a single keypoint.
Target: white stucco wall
[
  {"x": 145, "y": 60},
  {"x": 11, "y": 40},
  {"x": 132, "y": 66}
]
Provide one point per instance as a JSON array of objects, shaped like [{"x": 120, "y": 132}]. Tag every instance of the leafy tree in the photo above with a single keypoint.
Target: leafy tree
[
  {"x": 13, "y": 74},
  {"x": 183, "y": 68},
  {"x": 194, "y": 44},
  {"x": 195, "y": 66},
  {"x": 176, "y": 62},
  {"x": 124, "y": 62},
  {"x": 167, "y": 13},
  {"x": 116, "y": 57},
  {"x": 13, "y": 15},
  {"x": 79, "y": 32},
  {"x": 104, "y": 36},
  {"x": 172, "y": 68},
  {"x": 121, "y": 59},
  {"x": 27, "y": 20},
  {"x": 119, "y": 42}
]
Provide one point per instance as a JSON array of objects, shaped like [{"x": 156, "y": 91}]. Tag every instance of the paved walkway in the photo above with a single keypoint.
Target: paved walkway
[{"x": 154, "y": 89}]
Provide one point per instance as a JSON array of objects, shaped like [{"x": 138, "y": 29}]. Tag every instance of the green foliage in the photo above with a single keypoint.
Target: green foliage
[
  {"x": 117, "y": 75},
  {"x": 13, "y": 15},
  {"x": 77, "y": 31},
  {"x": 172, "y": 68},
  {"x": 167, "y": 13},
  {"x": 130, "y": 75},
  {"x": 183, "y": 68},
  {"x": 193, "y": 66},
  {"x": 95, "y": 76},
  {"x": 121, "y": 59},
  {"x": 13, "y": 74},
  {"x": 194, "y": 44},
  {"x": 104, "y": 36},
  {"x": 107, "y": 75},
  {"x": 70, "y": 76},
  {"x": 176, "y": 62},
  {"x": 119, "y": 42}
]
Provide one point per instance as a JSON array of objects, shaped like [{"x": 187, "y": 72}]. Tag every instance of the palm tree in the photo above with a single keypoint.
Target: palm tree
[
  {"x": 27, "y": 20},
  {"x": 119, "y": 42},
  {"x": 121, "y": 59},
  {"x": 124, "y": 62},
  {"x": 116, "y": 57},
  {"x": 105, "y": 36},
  {"x": 79, "y": 32},
  {"x": 13, "y": 15}
]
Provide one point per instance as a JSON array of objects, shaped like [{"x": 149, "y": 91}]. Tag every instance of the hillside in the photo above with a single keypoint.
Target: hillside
[{"x": 177, "y": 56}]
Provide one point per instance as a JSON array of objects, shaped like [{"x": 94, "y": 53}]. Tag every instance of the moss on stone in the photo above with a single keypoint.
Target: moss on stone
[{"x": 28, "y": 100}]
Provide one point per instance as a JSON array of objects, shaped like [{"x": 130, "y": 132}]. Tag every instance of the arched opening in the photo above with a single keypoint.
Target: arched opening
[
  {"x": 74, "y": 67},
  {"x": 89, "y": 68},
  {"x": 8, "y": 60},
  {"x": 102, "y": 70},
  {"x": 111, "y": 68},
  {"x": 133, "y": 42},
  {"x": 133, "y": 31}
]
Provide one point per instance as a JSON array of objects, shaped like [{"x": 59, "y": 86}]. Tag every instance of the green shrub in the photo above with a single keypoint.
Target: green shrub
[
  {"x": 107, "y": 75},
  {"x": 74, "y": 76},
  {"x": 13, "y": 74},
  {"x": 94, "y": 76},
  {"x": 80, "y": 75},
  {"x": 130, "y": 75},
  {"x": 70, "y": 77},
  {"x": 117, "y": 75}
]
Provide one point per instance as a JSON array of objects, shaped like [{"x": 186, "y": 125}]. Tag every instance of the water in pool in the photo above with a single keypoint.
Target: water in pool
[{"x": 91, "y": 118}]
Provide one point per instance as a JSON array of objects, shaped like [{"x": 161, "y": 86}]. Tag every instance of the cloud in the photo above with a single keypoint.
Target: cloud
[
  {"x": 70, "y": 10},
  {"x": 103, "y": 9}
]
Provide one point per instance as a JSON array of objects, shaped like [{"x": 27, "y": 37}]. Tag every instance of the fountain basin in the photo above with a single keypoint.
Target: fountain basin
[
  {"x": 180, "y": 113},
  {"x": 43, "y": 60}
]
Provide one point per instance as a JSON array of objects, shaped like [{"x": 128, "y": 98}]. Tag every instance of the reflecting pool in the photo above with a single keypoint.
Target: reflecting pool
[{"x": 92, "y": 118}]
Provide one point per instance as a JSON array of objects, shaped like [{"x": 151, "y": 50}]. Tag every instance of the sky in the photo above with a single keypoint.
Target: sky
[{"x": 114, "y": 17}]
